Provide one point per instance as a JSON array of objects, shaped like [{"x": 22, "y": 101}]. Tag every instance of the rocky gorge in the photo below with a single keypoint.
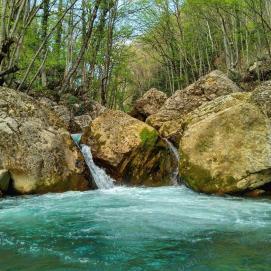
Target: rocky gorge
[{"x": 222, "y": 133}]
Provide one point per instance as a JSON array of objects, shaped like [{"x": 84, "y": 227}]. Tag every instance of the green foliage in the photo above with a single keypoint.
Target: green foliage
[
  {"x": 192, "y": 37},
  {"x": 148, "y": 137},
  {"x": 136, "y": 45},
  {"x": 72, "y": 100}
]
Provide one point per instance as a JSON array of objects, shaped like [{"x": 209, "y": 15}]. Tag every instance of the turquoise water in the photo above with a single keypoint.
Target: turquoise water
[{"x": 135, "y": 229}]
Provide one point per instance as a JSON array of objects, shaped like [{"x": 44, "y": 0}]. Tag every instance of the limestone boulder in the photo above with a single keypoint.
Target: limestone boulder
[
  {"x": 74, "y": 113},
  {"x": 171, "y": 115},
  {"x": 149, "y": 104},
  {"x": 226, "y": 144},
  {"x": 61, "y": 110},
  {"x": 130, "y": 150},
  {"x": 81, "y": 122},
  {"x": 36, "y": 148}
]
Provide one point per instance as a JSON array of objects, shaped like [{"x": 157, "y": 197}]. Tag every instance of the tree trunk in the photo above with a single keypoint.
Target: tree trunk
[{"x": 44, "y": 30}]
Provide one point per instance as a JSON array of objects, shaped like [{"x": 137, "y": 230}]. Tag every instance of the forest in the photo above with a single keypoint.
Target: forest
[{"x": 112, "y": 51}]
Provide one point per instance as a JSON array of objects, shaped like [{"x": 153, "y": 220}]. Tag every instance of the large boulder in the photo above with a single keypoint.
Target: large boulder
[
  {"x": 81, "y": 123},
  {"x": 61, "y": 110},
  {"x": 36, "y": 149},
  {"x": 76, "y": 114},
  {"x": 64, "y": 113},
  {"x": 226, "y": 144},
  {"x": 130, "y": 150},
  {"x": 207, "y": 88},
  {"x": 149, "y": 104}
]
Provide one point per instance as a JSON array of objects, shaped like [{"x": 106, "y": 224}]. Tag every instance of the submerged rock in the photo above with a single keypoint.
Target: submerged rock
[
  {"x": 226, "y": 145},
  {"x": 131, "y": 151},
  {"x": 36, "y": 148},
  {"x": 169, "y": 118},
  {"x": 148, "y": 104}
]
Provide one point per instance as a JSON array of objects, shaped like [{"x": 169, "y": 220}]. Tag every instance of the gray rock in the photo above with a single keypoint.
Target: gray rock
[
  {"x": 148, "y": 104},
  {"x": 168, "y": 119},
  {"x": 36, "y": 147},
  {"x": 82, "y": 121}
]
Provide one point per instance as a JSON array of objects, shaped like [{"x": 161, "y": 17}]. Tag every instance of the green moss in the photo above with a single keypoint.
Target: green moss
[
  {"x": 205, "y": 141},
  {"x": 230, "y": 180},
  {"x": 148, "y": 137},
  {"x": 151, "y": 164},
  {"x": 195, "y": 176},
  {"x": 203, "y": 145},
  {"x": 200, "y": 179}
]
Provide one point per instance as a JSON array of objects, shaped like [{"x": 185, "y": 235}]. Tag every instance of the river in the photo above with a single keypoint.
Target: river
[{"x": 169, "y": 228}]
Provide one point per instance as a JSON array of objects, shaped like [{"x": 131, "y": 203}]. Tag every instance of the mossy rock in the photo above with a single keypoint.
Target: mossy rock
[
  {"x": 169, "y": 118},
  {"x": 130, "y": 150},
  {"x": 226, "y": 146},
  {"x": 148, "y": 137}
]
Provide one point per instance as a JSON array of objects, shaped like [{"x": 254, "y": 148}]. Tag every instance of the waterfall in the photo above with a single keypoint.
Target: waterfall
[
  {"x": 101, "y": 179},
  {"x": 174, "y": 151}
]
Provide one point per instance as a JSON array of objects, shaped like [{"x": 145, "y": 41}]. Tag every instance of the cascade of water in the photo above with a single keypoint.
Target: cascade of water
[
  {"x": 101, "y": 179},
  {"x": 174, "y": 151}
]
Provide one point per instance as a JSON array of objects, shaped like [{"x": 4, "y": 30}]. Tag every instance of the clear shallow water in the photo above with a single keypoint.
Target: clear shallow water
[{"x": 135, "y": 229}]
